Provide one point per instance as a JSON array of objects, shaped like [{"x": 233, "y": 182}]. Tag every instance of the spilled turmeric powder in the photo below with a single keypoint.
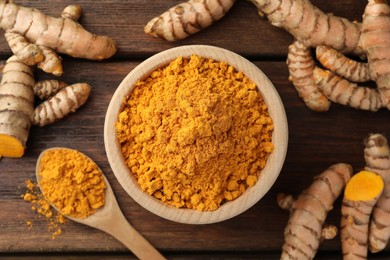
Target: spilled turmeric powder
[
  {"x": 40, "y": 205},
  {"x": 195, "y": 133},
  {"x": 72, "y": 182}
]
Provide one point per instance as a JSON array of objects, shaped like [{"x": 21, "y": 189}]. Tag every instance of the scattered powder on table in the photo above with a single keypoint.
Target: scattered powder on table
[
  {"x": 72, "y": 182},
  {"x": 40, "y": 205},
  {"x": 195, "y": 133}
]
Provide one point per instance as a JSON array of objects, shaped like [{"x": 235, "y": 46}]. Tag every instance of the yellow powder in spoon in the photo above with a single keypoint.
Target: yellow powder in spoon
[{"x": 72, "y": 182}]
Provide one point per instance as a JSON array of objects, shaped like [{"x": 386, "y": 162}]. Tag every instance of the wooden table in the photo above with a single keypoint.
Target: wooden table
[{"x": 316, "y": 140}]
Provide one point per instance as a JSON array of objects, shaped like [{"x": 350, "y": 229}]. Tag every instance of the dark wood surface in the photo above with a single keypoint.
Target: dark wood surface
[{"x": 316, "y": 140}]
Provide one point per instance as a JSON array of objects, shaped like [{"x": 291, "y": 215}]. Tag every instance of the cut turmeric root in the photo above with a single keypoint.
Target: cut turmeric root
[
  {"x": 304, "y": 230},
  {"x": 17, "y": 113},
  {"x": 377, "y": 157},
  {"x": 361, "y": 194},
  {"x": 16, "y": 107}
]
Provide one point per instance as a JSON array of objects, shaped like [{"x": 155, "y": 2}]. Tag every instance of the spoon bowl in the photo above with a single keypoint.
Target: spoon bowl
[{"x": 109, "y": 218}]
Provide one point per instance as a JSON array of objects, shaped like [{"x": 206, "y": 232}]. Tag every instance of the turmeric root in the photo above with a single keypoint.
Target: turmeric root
[
  {"x": 377, "y": 157},
  {"x": 308, "y": 213},
  {"x": 376, "y": 43},
  {"x": 343, "y": 66},
  {"x": 72, "y": 12},
  {"x": 310, "y": 25},
  {"x": 47, "y": 88},
  {"x": 301, "y": 65},
  {"x": 187, "y": 18},
  {"x": 63, "y": 35},
  {"x": 27, "y": 52},
  {"x": 51, "y": 62},
  {"x": 16, "y": 107},
  {"x": 67, "y": 100},
  {"x": 360, "y": 195},
  {"x": 286, "y": 202},
  {"x": 347, "y": 93}
]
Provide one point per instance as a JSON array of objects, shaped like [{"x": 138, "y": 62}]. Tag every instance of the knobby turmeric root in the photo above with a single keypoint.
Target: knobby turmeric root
[
  {"x": 17, "y": 113},
  {"x": 332, "y": 36},
  {"x": 27, "y": 52},
  {"x": 376, "y": 43},
  {"x": 52, "y": 62},
  {"x": 301, "y": 65},
  {"x": 27, "y": 29},
  {"x": 67, "y": 100},
  {"x": 308, "y": 213},
  {"x": 16, "y": 107},
  {"x": 361, "y": 194},
  {"x": 344, "y": 92},
  {"x": 287, "y": 202},
  {"x": 342, "y": 66},
  {"x": 377, "y": 157},
  {"x": 187, "y": 18},
  {"x": 310, "y": 25},
  {"x": 47, "y": 88}
]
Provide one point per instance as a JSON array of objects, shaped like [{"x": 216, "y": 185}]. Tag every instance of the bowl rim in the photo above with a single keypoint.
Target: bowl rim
[{"x": 253, "y": 194}]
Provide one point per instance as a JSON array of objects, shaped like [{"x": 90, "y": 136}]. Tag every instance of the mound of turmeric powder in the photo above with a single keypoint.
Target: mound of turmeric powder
[
  {"x": 195, "y": 133},
  {"x": 72, "y": 182}
]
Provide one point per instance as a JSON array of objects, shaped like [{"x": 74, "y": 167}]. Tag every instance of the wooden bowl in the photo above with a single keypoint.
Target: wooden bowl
[{"x": 227, "y": 210}]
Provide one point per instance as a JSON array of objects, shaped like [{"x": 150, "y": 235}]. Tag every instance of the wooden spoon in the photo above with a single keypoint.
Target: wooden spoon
[{"x": 110, "y": 219}]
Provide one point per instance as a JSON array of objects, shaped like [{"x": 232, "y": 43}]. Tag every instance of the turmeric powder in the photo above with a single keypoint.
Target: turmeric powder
[
  {"x": 40, "y": 205},
  {"x": 196, "y": 133},
  {"x": 71, "y": 182}
]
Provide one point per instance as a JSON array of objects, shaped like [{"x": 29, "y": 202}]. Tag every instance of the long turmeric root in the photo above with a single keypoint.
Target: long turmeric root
[
  {"x": 376, "y": 42},
  {"x": 360, "y": 196},
  {"x": 187, "y": 18},
  {"x": 310, "y": 25},
  {"x": 377, "y": 157},
  {"x": 16, "y": 107},
  {"x": 304, "y": 229},
  {"x": 343, "y": 66},
  {"x": 63, "y": 35},
  {"x": 67, "y": 100},
  {"x": 301, "y": 65},
  {"x": 286, "y": 202},
  {"x": 347, "y": 93}
]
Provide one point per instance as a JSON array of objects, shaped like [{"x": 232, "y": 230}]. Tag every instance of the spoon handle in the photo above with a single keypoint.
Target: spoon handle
[{"x": 132, "y": 239}]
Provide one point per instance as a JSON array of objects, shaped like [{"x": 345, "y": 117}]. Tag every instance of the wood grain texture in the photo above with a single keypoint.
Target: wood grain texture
[{"x": 316, "y": 140}]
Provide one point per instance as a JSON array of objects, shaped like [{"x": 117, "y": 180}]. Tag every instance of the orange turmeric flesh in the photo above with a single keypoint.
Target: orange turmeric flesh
[
  {"x": 10, "y": 146},
  {"x": 364, "y": 186}
]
